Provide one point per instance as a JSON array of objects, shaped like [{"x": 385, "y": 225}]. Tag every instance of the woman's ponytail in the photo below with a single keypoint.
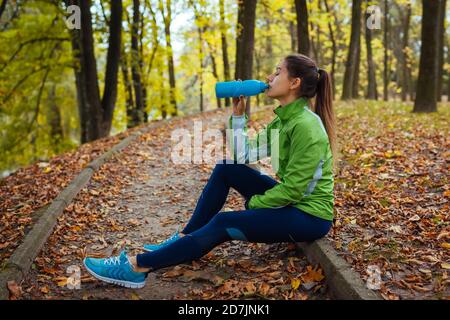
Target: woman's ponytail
[
  {"x": 316, "y": 82},
  {"x": 324, "y": 106}
]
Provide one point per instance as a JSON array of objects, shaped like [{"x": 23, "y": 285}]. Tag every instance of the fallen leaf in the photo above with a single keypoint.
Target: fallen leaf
[
  {"x": 295, "y": 283},
  {"x": 15, "y": 290},
  {"x": 249, "y": 288},
  {"x": 312, "y": 275},
  {"x": 414, "y": 218},
  {"x": 445, "y": 265},
  {"x": 134, "y": 296},
  {"x": 175, "y": 272},
  {"x": 445, "y": 245},
  {"x": 396, "y": 229},
  {"x": 4, "y": 245},
  {"x": 264, "y": 289},
  {"x": 425, "y": 271}
]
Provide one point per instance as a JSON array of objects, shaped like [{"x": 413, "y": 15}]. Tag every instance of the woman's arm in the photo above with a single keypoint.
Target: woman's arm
[{"x": 244, "y": 149}]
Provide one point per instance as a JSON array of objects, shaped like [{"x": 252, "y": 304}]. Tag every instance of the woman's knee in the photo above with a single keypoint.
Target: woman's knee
[
  {"x": 225, "y": 223},
  {"x": 228, "y": 164},
  {"x": 223, "y": 165},
  {"x": 218, "y": 220}
]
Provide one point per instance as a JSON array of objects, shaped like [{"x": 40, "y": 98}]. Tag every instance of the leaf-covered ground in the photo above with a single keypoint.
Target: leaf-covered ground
[
  {"x": 391, "y": 196},
  {"x": 141, "y": 196},
  {"x": 29, "y": 189},
  {"x": 392, "y": 193}
]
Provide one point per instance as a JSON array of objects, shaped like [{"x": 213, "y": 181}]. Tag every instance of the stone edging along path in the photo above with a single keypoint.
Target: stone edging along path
[
  {"x": 344, "y": 283},
  {"x": 21, "y": 260}
]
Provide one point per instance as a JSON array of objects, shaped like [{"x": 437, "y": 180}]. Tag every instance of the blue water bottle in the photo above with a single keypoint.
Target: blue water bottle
[{"x": 234, "y": 89}]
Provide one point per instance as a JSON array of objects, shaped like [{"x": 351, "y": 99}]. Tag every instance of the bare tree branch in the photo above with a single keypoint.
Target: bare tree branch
[{"x": 104, "y": 14}]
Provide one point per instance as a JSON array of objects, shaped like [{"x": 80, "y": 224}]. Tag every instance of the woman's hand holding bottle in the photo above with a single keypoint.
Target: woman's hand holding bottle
[{"x": 239, "y": 106}]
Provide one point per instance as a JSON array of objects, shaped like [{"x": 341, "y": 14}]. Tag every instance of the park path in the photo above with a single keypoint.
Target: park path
[{"x": 140, "y": 196}]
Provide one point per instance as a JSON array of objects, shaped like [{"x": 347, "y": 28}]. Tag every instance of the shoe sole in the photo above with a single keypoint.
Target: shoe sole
[
  {"x": 148, "y": 250},
  {"x": 126, "y": 284}
]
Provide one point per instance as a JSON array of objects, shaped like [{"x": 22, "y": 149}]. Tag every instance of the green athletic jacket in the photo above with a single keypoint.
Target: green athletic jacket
[{"x": 301, "y": 152}]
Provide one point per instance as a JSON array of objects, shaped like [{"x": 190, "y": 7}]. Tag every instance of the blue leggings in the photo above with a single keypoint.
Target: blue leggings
[{"x": 208, "y": 227}]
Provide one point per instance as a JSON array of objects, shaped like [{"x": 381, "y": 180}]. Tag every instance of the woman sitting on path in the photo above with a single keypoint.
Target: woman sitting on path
[{"x": 297, "y": 208}]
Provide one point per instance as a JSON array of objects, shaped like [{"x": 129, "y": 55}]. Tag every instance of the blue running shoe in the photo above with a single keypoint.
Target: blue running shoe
[
  {"x": 116, "y": 270},
  {"x": 154, "y": 247}
]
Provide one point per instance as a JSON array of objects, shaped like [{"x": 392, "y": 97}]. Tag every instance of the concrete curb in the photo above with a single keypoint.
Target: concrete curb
[
  {"x": 21, "y": 260},
  {"x": 343, "y": 282}
]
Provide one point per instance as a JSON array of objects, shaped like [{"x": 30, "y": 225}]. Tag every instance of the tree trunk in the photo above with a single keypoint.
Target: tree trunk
[
  {"x": 440, "y": 48},
  {"x": 258, "y": 71},
  {"x": 95, "y": 113},
  {"x": 333, "y": 48},
  {"x": 162, "y": 94},
  {"x": 135, "y": 68},
  {"x": 428, "y": 67},
  {"x": 155, "y": 43},
  {"x": 245, "y": 42},
  {"x": 386, "y": 48},
  {"x": 167, "y": 22},
  {"x": 132, "y": 120},
  {"x": 2, "y": 7},
  {"x": 91, "y": 116},
  {"x": 75, "y": 36},
  {"x": 142, "y": 28},
  {"x": 54, "y": 119},
  {"x": 318, "y": 55},
  {"x": 223, "y": 36},
  {"x": 212, "y": 52},
  {"x": 266, "y": 57},
  {"x": 200, "y": 75},
  {"x": 448, "y": 71},
  {"x": 406, "y": 69},
  {"x": 313, "y": 51},
  {"x": 216, "y": 76},
  {"x": 112, "y": 66},
  {"x": 371, "y": 77},
  {"x": 292, "y": 33},
  {"x": 355, "y": 89},
  {"x": 352, "y": 56},
  {"x": 200, "y": 32},
  {"x": 302, "y": 27}
]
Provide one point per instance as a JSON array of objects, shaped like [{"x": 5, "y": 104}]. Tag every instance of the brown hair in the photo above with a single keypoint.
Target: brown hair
[{"x": 315, "y": 82}]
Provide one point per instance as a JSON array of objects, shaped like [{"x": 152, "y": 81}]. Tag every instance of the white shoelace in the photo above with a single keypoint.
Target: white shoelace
[{"x": 113, "y": 260}]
